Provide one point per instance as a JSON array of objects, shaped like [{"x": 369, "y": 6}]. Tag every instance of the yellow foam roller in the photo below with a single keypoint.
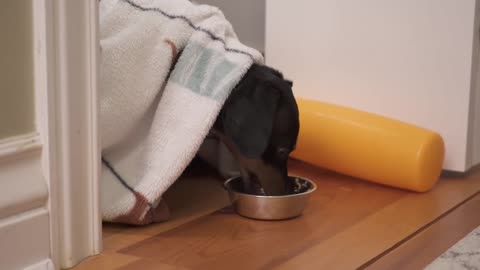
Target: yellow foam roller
[{"x": 369, "y": 146}]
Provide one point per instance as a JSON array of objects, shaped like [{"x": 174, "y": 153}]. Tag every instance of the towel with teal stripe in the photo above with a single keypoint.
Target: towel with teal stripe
[{"x": 167, "y": 68}]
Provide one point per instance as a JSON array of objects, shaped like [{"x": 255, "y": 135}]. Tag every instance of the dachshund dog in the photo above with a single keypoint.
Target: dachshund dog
[{"x": 259, "y": 124}]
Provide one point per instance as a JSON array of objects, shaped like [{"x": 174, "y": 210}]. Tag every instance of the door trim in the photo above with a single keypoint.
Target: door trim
[{"x": 66, "y": 65}]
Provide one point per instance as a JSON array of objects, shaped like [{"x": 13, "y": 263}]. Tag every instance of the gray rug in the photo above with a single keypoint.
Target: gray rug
[{"x": 465, "y": 254}]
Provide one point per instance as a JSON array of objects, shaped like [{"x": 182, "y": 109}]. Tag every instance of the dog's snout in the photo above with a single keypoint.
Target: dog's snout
[{"x": 273, "y": 181}]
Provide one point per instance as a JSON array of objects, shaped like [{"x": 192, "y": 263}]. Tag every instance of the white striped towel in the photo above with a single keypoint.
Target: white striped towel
[{"x": 167, "y": 68}]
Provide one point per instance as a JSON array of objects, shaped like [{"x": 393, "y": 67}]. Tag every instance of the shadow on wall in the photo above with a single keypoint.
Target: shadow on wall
[{"x": 247, "y": 18}]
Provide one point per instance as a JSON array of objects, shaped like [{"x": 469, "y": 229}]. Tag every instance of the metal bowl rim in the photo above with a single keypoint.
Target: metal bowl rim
[{"x": 225, "y": 184}]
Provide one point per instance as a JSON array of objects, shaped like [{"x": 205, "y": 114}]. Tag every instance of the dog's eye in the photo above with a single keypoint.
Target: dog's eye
[{"x": 283, "y": 152}]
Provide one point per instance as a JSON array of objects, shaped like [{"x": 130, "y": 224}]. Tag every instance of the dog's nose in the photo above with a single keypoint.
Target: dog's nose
[
  {"x": 259, "y": 175},
  {"x": 274, "y": 183}
]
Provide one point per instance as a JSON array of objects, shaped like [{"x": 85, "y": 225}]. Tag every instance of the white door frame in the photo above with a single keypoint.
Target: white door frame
[{"x": 66, "y": 74}]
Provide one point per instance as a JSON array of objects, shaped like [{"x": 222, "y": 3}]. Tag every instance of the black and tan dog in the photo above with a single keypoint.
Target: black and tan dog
[{"x": 259, "y": 124}]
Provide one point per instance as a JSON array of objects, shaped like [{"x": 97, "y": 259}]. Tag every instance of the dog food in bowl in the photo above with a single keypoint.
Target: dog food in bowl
[{"x": 270, "y": 207}]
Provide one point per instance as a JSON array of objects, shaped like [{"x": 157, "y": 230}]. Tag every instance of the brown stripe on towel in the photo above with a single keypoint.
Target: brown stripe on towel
[
  {"x": 136, "y": 215},
  {"x": 175, "y": 55},
  {"x": 173, "y": 47}
]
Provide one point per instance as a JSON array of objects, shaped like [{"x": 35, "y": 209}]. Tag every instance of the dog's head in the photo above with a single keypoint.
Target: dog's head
[{"x": 260, "y": 125}]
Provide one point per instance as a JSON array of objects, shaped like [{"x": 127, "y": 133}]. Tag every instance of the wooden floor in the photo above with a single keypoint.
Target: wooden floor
[{"x": 349, "y": 224}]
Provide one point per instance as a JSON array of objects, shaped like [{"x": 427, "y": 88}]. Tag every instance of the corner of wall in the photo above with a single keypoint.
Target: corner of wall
[{"x": 473, "y": 146}]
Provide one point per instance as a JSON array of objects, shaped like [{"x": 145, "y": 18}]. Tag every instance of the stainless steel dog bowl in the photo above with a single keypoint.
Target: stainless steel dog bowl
[{"x": 270, "y": 207}]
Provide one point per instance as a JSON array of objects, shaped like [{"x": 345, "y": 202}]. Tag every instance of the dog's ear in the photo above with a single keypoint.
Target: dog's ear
[{"x": 248, "y": 119}]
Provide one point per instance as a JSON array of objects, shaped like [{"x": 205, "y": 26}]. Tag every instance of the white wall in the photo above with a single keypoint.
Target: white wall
[
  {"x": 410, "y": 60},
  {"x": 247, "y": 18},
  {"x": 352, "y": 53}
]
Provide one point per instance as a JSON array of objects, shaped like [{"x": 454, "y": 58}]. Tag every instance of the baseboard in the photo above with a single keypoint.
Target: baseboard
[
  {"x": 25, "y": 240},
  {"x": 46, "y": 264}
]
